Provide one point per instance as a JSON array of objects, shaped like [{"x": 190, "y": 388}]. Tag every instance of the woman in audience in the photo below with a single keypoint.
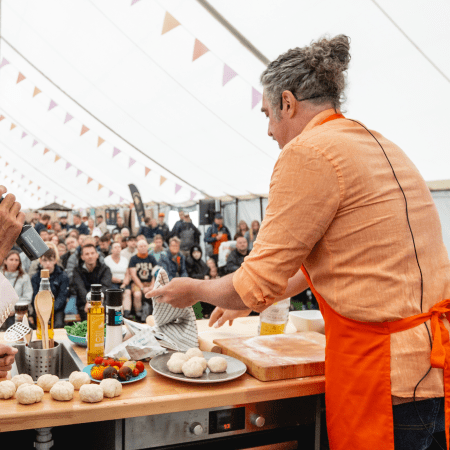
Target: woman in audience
[
  {"x": 118, "y": 265},
  {"x": 12, "y": 269},
  {"x": 55, "y": 239},
  {"x": 252, "y": 234},
  {"x": 242, "y": 229}
]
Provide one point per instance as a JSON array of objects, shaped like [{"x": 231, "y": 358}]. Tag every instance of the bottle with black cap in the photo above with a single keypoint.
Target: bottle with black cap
[{"x": 114, "y": 318}]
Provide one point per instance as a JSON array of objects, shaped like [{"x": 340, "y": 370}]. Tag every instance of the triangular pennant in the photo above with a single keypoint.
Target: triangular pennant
[
  {"x": 256, "y": 97},
  {"x": 100, "y": 141},
  {"x": 72, "y": 205},
  {"x": 79, "y": 172},
  {"x": 199, "y": 50},
  {"x": 133, "y": 2},
  {"x": 228, "y": 74},
  {"x": 68, "y": 165},
  {"x": 57, "y": 158},
  {"x": 38, "y": 187},
  {"x": 4, "y": 62},
  {"x": 68, "y": 118},
  {"x": 84, "y": 129},
  {"x": 14, "y": 170},
  {"x": 23, "y": 134},
  {"x": 6, "y": 164},
  {"x": 46, "y": 193},
  {"x": 46, "y": 150},
  {"x": 116, "y": 151},
  {"x": 193, "y": 194},
  {"x": 30, "y": 182},
  {"x": 32, "y": 194},
  {"x": 110, "y": 193},
  {"x": 177, "y": 188},
  {"x": 34, "y": 142},
  {"x": 63, "y": 202},
  {"x": 12, "y": 127},
  {"x": 36, "y": 91},
  {"x": 132, "y": 161},
  {"x": 1, "y": 118},
  {"x": 147, "y": 170},
  {"x": 52, "y": 105},
  {"x": 100, "y": 186},
  {"x": 89, "y": 180},
  {"x": 22, "y": 177},
  {"x": 169, "y": 23},
  {"x": 39, "y": 198},
  {"x": 12, "y": 181},
  {"x": 162, "y": 180},
  {"x": 121, "y": 200},
  {"x": 20, "y": 78}
]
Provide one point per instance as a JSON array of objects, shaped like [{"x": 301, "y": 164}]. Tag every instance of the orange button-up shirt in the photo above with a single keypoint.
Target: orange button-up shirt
[{"x": 335, "y": 206}]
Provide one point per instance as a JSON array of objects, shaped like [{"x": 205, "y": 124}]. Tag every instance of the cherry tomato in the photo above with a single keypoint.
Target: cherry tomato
[
  {"x": 110, "y": 362},
  {"x": 135, "y": 372},
  {"x": 140, "y": 366},
  {"x": 98, "y": 360},
  {"x": 118, "y": 363}
]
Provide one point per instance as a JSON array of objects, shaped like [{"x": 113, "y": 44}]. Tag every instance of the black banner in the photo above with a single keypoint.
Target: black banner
[{"x": 138, "y": 205}]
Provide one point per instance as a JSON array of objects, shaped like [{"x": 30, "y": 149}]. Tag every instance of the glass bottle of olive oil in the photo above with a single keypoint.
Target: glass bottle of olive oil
[
  {"x": 95, "y": 337},
  {"x": 45, "y": 286}
]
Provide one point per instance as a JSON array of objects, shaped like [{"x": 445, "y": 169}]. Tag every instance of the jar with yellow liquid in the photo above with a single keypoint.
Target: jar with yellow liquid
[
  {"x": 45, "y": 286},
  {"x": 274, "y": 319},
  {"x": 95, "y": 337}
]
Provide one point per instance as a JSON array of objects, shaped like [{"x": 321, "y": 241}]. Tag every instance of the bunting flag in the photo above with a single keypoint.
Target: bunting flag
[
  {"x": 34, "y": 142},
  {"x": 20, "y": 78},
  {"x": 79, "y": 172},
  {"x": 256, "y": 97},
  {"x": 57, "y": 158},
  {"x": 110, "y": 193},
  {"x": 99, "y": 186},
  {"x": 68, "y": 118},
  {"x": 23, "y": 134},
  {"x": 100, "y": 141},
  {"x": 63, "y": 202},
  {"x": 199, "y": 50},
  {"x": 32, "y": 195},
  {"x": 36, "y": 91},
  {"x": 89, "y": 180},
  {"x": 12, "y": 127},
  {"x": 121, "y": 198},
  {"x": 177, "y": 188},
  {"x": 68, "y": 165},
  {"x": 133, "y": 2},
  {"x": 132, "y": 161},
  {"x": 84, "y": 129},
  {"x": 46, "y": 150},
  {"x": 147, "y": 170},
  {"x": 228, "y": 74},
  {"x": 4, "y": 63},
  {"x": 116, "y": 151},
  {"x": 38, "y": 187},
  {"x": 169, "y": 23},
  {"x": 6, "y": 164},
  {"x": 22, "y": 177},
  {"x": 1, "y": 118},
  {"x": 162, "y": 180},
  {"x": 39, "y": 199},
  {"x": 30, "y": 182},
  {"x": 14, "y": 170},
  {"x": 52, "y": 105}
]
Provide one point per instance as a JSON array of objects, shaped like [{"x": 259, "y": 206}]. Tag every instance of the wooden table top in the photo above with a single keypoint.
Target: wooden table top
[{"x": 153, "y": 395}]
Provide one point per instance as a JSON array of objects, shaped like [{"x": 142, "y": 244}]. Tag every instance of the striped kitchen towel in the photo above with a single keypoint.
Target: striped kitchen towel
[
  {"x": 178, "y": 324},
  {"x": 8, "y": 298}
]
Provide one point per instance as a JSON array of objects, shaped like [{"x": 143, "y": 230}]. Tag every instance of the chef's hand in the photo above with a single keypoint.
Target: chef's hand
[
  {"x": 180, "y": 292},
  {"x": 6, "y": 359},
  {"x": 219, "y": 316}
]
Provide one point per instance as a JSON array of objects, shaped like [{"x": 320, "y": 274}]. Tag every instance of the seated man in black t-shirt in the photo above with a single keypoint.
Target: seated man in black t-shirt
[{"x": 141, "y": 266}]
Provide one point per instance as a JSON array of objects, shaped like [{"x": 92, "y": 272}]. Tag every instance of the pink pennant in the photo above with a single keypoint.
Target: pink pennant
[
  {"x": 177, "y": 188},
  {"x": 47, "y": 193},
  {"x": 52, "y": 105},
  {"x": 116, "y": 151},
  {"x": 110, "y": 193},
  {"x": 79, "y": 172},
  {"x": 68, "y": 118},
  {"x": 132, "y": 161},
  {"x": 228, "y": 74},
  {"x": 193, "y": 194},
  {"x": 133, "y": 2},
  {"x": 14, "y": 170},
  {"x": 256, "y": 97},
  {"x": 23, "y": 134},
  {"x": 34, "y": 142},
  {"x": 4, "y": 62},
  {"x": 121, "y": 200},
  {"x": 68, "y": 165},
  {"x": 22, "y": 177}
]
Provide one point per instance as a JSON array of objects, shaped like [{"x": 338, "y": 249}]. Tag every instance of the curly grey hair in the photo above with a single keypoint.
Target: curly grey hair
[{"x": 315, "y": 73}]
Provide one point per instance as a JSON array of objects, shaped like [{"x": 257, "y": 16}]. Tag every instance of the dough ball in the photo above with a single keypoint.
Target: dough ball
[
  {"x": 91, "y": 393},
  {"x": 47, "y": 381},
  {"x": 78, "y": 379},
  {"x": 192, "y": 369},
  {"x": 22, "y": 379},
  {"x": 111, "y": 387},
  {"x": 7, "y": 389},
  {"x": 62, "y": 391},
  {"x": 179, "y": 355},
  {"x": 202, "y": 361},
  {"x": 31, "y": 393},
  {"x": 217, "y": 364},
  {"x": 194, "y": 352},
  {"x": 175, "y": 365}
]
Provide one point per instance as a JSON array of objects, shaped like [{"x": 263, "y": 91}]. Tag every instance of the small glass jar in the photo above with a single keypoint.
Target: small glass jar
[{"x": 21, "y": 309}]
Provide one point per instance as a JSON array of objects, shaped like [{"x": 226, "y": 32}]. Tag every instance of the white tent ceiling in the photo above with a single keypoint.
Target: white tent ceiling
[{"x": 166, "y": 123}]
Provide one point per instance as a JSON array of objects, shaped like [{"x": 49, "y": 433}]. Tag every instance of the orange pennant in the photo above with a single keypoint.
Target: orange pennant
[
  {"x": 32, "y": 195},
  {"x": 1, "y": 118},
  {"x": 30, "y": 182},
  {"x": 39, "y": 198},
  {"x": 199, "y": 50},
  {"x": 64, "y": 202},
  {"x": 39, "y": 187},
  {"x": 162, "y": 180},
  {"x": 89, "y": 180},
  {"x": 6, "y": 164},
  {"x": 36, "y": 91},
  {"x": 20, "y": 78},
  {"x": 100, "y": 141},
  {"x": 84, "y": 129},
  {"x": 72, "y": 205},
  {"x": 100, "y": 186},
  {"x": 12, "y": 127},
  {"x": 57, "y": 158},
  {"x": 169, "y": 23},
  {"x": 147, "y": 170},
  {"x": 46, "y": 150}
]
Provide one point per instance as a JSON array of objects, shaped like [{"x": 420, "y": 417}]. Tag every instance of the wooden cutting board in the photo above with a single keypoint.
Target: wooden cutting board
[{"x": 279, "y": 356}]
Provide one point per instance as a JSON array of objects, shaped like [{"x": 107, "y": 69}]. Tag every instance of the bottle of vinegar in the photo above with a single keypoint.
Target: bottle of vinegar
[
  {"x": 45, "y": 286},
  {"x": 274, "y": 319},
  {"x": 95, "y": 337}
]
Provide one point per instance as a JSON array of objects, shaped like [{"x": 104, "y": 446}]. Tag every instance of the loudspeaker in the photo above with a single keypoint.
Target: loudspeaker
[{"x": 207, "y": 211}]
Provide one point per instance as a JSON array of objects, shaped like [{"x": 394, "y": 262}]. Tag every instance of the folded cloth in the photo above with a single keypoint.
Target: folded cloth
[
  {"x": 8, "y": 298},
  {"x": 177, "y": 324}
]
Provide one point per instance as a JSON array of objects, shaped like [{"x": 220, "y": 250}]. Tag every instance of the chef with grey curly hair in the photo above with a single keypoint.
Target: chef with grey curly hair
[{"x": 349, "y": 215}]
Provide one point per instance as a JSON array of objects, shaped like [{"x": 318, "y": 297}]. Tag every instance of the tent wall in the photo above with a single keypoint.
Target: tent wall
[{"x": 442, "y": 200}]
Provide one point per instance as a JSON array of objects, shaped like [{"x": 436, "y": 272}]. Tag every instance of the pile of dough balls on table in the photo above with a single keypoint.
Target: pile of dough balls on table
[
  {"x": 193, "y": 364},
  {"x": 27, "y": 392}
]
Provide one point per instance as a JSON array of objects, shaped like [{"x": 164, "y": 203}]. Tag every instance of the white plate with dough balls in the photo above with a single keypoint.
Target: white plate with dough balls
[{"x": 234, "y": 369}]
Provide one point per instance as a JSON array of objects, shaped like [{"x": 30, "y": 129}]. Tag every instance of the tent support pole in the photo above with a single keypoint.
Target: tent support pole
[
  {"x": 237, "y": 212},
  {"x": 261, "y": 207}
]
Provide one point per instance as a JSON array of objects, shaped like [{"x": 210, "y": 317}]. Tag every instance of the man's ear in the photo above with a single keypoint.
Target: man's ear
[{"x": 289, "y": 103}]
